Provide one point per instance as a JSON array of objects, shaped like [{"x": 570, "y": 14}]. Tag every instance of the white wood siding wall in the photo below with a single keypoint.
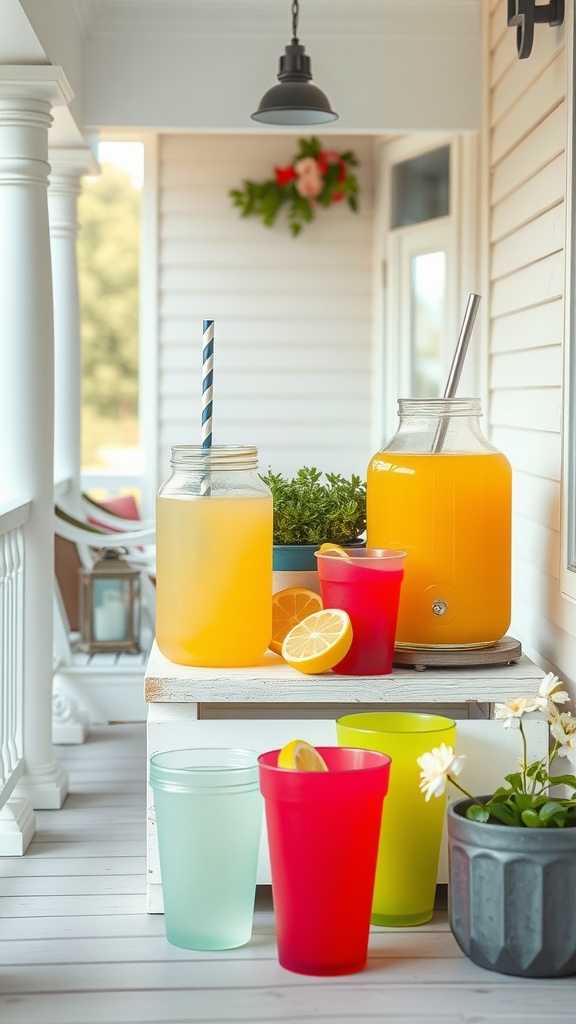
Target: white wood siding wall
[
  {"x": 527, "y": 127},
  {"x": 293, "y": 316}
]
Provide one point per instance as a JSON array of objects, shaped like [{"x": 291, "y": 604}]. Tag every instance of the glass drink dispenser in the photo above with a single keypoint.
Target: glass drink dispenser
[{"x": 442, "y": 493}]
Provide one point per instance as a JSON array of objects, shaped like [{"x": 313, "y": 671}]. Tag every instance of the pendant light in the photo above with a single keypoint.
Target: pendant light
[{"x": 295, "y": 100}]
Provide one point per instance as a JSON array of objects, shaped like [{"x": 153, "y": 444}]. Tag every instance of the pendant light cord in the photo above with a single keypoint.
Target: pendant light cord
[{"x": 295, "y": 10}]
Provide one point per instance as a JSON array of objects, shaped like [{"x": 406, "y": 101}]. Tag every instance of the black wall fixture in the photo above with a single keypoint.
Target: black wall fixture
[{"x": 524, "y": 14}]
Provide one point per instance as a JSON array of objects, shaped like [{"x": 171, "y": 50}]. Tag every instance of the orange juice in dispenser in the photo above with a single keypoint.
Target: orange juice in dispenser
[{"x": 442, "y": 493}]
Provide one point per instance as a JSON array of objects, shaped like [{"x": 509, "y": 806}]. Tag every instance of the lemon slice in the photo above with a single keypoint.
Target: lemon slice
[
  {"x": 333, "y": 549},
  {"x": 319, "y": 642},
  {"x": 303, "y": 757},
  {"x": 289, "y": 607}
]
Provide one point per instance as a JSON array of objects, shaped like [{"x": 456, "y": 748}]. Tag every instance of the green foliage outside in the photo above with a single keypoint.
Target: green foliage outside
[{"x": 108, "y": 272}]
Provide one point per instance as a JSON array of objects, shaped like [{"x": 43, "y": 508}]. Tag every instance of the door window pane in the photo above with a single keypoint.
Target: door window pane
[
  {"x": 427, "y": 302},
  {"x": 421, "y": 188}
]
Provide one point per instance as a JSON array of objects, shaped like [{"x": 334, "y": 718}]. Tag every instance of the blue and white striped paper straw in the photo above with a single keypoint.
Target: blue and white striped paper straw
[{"x": 207, "y": 381}]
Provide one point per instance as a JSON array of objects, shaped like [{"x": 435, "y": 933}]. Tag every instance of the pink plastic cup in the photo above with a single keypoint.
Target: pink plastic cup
[
  {"x": 323, "y": 833},
  {"x": 367, "y": 586}
]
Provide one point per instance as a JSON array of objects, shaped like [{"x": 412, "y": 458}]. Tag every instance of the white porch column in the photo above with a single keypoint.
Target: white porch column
[
  {"x": 27, "y": 95},
  {"x": 69, "y": 722},
  {"x": 67, "y": 167}
]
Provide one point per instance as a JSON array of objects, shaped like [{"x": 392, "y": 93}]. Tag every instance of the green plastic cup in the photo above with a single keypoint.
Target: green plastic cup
[
  {"x": 411, "y": 830},
  {"x": 209, "y": 819}
]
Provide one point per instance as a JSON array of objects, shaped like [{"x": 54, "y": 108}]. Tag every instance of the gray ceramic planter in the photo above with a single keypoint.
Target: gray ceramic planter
[{"x": 512, "y": 895}]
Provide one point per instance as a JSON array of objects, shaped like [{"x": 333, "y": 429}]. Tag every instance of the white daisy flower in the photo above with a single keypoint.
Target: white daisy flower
[
  {"x": 549, "y": 695},
  {"x": 437, "y": 766},
  {"x": 514, "y": 709},
  {"x": 563, "y": 729}
]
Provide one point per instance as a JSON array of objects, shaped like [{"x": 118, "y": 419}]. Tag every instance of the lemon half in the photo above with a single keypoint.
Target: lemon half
[{"x": 319, "y": 642}]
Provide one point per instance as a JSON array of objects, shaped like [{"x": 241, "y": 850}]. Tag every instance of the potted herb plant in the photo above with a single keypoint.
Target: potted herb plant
[
  {"x": 512, "y": 855},
  {"x": 310, "y": 511}
]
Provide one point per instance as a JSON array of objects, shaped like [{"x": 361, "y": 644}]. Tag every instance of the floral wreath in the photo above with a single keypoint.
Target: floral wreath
[{"x": 316, "y": 177}]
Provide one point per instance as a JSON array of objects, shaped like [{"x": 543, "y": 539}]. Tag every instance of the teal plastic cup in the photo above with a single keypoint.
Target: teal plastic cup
[{"x": 209, "y": 819}]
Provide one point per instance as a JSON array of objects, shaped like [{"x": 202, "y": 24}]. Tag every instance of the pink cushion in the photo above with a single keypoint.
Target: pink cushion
[{"x": 124, "y": 506}]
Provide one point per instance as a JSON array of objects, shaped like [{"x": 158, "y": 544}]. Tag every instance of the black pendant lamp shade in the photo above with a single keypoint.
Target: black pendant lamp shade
[{"x": 295, "y": 100}]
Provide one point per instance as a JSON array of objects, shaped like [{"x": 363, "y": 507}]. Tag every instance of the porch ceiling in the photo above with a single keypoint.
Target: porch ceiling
[
  {"x": 201, "y": 65},
  {"x": 263, "y": 17}
]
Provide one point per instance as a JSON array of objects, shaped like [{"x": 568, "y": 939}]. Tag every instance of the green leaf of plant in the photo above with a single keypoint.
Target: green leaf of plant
[
  {"x": 552, "y": 809},
  {"x": 516, "y": 781},
  {"x": 531, "y": 819},
  {"x": 563, "y": 780},
  {"x": 524, "y": 801},
  {"x": 502, "y": 793},
  {"x": 506, "y": 813},
  {"x": 477, "y": 813}
]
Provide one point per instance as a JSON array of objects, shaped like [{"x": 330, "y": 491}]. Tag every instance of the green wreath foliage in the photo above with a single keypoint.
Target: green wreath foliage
[{"x": 315, "y": 177}]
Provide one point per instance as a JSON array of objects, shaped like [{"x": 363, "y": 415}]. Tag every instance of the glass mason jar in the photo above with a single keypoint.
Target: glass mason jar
[
  {"x": 214, "y": 558},
  {"x": 441, "y": 492}
]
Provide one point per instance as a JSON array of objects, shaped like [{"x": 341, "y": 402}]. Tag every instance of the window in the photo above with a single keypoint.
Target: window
[
  {"x": 428, "y": 246},
  {"x": 421, "y": 188},
  {"x": 428, "y": 296},
  {"x": 108, "y": 268}
]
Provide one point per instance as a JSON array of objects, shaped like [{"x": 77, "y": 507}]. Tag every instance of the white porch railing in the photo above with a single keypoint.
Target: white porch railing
[{"x": 12, "y": 520}]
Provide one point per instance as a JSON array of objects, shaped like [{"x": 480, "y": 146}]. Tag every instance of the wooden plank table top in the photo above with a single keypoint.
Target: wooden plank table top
[{"x": 272, "y": 680}]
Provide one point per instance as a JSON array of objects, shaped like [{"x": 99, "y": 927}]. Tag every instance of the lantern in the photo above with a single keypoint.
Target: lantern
[{"x": 110, "y": 605}]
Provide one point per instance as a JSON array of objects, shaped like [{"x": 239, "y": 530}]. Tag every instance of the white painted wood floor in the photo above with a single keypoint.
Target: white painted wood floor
[{"x": 77, "y": 947}]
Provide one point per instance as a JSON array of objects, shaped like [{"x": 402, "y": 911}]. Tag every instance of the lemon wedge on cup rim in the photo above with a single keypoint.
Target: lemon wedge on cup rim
[
  {"x": 333, "y": 549},
  {"x": 301, "y": 756},
  {"x": 318, "y": 642}
]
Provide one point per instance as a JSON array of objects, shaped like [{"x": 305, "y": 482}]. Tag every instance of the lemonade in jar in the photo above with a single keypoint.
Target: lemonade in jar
[
  {"x": 214, "y": 558},
  {"x": 442, "y": 493}
]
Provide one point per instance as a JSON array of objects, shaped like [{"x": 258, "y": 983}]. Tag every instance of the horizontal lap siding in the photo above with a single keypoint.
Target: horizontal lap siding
[
  {"x": 293, "y": 316},
  {"x": 527, "y": 126}
]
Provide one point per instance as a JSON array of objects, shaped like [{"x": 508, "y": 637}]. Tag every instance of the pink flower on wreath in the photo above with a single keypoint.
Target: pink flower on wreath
[
  {"x": 309, "y": 181},
  {"x": 330, "y": 156},
  {"x": 325, "y": 159}
]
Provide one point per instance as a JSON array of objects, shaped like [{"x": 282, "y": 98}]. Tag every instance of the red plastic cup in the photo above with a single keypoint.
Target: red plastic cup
[
  {"x": 323, "y": 833},
  {"x": 367, "y": 586}
]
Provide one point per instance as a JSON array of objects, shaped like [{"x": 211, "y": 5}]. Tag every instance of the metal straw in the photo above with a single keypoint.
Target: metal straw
[{"x": 457, "y": 364}]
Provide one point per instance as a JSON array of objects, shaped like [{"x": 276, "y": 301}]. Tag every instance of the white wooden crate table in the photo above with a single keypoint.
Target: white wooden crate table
[{"x": 266, "y": 705}]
